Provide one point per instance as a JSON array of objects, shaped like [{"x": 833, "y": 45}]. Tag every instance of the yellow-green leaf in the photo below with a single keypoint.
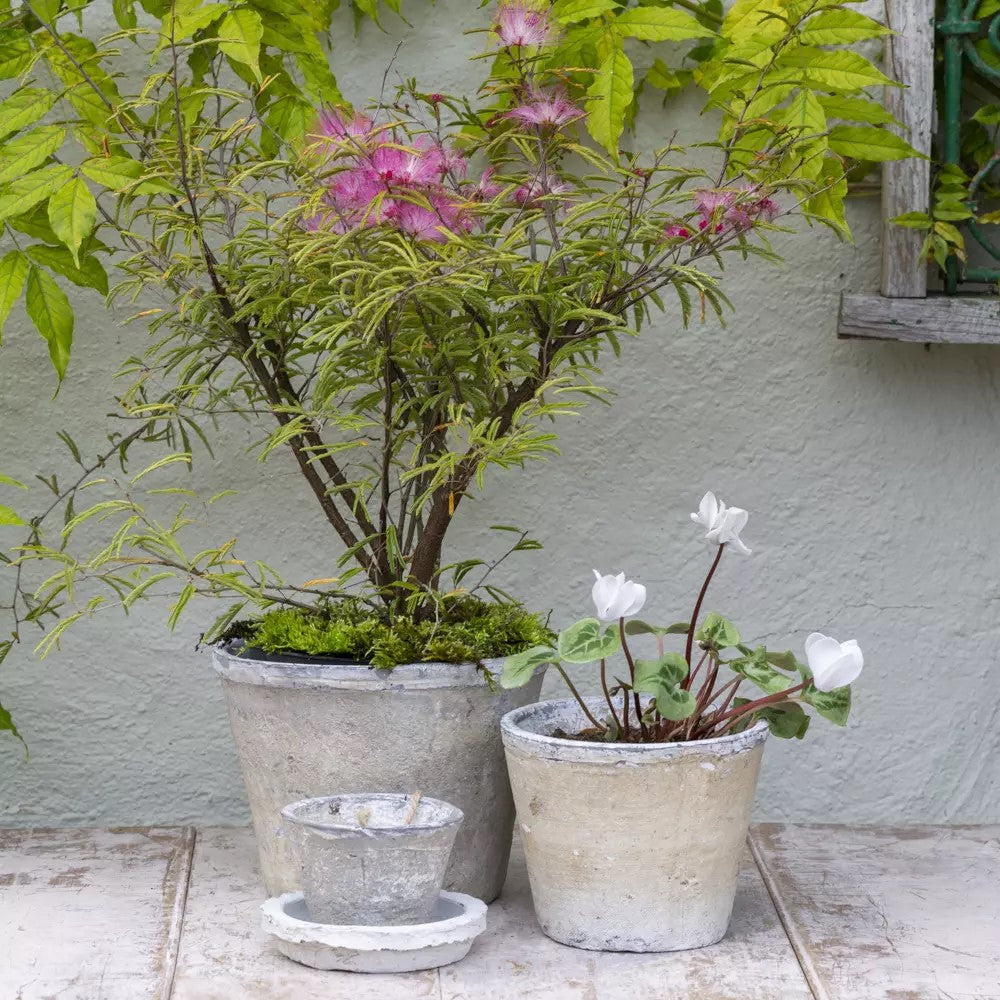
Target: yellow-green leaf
[
  {"x": 610, "y": 94},
  {"x": 114, "y": 172},
  {"x": 22, "y": 155},
  {"x": 836, "y": 69},
  {"x": 827, "y": 205},
  {"x": 26, "y": 192},
  {"x": 840, "y": 27},
  {"x": 73, "y": 214},
  {"x": 13, "y": 271},
  {"x": 239, "y": 37},
  {"x": 24, "y": 108},
  {"x": 7, "y": 516},
  {"x": 660, "y": 24},
  {"x": 570, "y": 11},
  {"x": 756, "y": 20},
  {"x": 52, "y": 315},
  {"x": 862, "y": 142},
  {"x": 856, "y": 109}
]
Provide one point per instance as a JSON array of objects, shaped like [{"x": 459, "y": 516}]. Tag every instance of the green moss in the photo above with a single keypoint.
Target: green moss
[{"x": 467, "y": 630}]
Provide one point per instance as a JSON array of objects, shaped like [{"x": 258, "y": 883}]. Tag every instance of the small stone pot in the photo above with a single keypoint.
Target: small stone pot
[
  {"x": 372, "y": 859},
  {"x": 630, "y": 847},
  {"x": 306, "y": 728}
]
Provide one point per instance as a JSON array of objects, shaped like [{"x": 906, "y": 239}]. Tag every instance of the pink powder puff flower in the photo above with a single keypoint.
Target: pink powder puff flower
[
  {"x": 708, "y": 200},
  {"x": 522, "y": 22},
  {"x": 487, "y": 189},
  {"x": 551, "y": 110},
  {"x": 335, "y": 125},
  {"x": 767, "y": 209},
  {"x": 675, "y": 231},
  {"x": 739, "y": 217},
  {"x": 530, "y": 195},
  {"x": 430, "y": 221}
]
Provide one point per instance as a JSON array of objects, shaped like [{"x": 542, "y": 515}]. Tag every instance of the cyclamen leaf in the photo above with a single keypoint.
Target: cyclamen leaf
[
  {"x": 50, "y": 311},
  {"x": 833, "y": 705},
  {"x": 13, "y": 271},
  {"x": 73, "y": 214},
  {"x": 840, "y": 27},
  {"x": 239, "y": 37},
  {"x": 520, "y": 668},
  {"x": 638, "y": 627},
  {"x": 24, "y": 108},
  {"x": 674, "y": 703},
  {"x": 611, "y": 93},
  {"x": 862, "y": 142},
  {"x": 786, "y": 721},
  {"x": 668, "y": 670},
  {"x": 660, "y": 24},
  {"x": 584, "y": 642}
]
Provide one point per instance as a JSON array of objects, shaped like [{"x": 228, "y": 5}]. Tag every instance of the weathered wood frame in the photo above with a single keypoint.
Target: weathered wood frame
[{"x": 903, "y": 310}]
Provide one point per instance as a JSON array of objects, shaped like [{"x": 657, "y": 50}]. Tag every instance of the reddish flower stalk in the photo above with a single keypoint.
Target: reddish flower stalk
[{"x": 697, "y": 608}]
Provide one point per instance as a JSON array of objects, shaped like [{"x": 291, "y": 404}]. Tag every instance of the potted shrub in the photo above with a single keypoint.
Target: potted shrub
[
  {"x": 399, "y": 299},
  {"x": 634, "y": 805}
]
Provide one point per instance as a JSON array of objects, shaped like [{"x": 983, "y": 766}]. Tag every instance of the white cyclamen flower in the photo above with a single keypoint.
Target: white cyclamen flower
[
  {"x": 723, "y": 524},
  {"x": 615, "y": 597},
  {"x": 833, "y": 664}
]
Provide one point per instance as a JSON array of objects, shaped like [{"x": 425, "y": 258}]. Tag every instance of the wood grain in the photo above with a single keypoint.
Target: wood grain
[
  {"x": 906, "y": 183},
  {"x": 889, "y": 914},
  {"x": 224, "y": 955},
  {"x": 937, "y": 319},
  {"x": 88, "y": 914}
]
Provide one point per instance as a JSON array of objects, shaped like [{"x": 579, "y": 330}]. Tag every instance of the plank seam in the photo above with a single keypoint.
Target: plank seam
[
  {"x": 172, "y": 946},
  {"x": 802, "y": 956}
]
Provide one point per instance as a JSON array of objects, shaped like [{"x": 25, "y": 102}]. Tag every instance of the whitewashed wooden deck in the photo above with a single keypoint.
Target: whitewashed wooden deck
[{"x": 823, "y": 912}]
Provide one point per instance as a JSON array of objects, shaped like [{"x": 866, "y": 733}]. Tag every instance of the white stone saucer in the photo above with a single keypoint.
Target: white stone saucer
[{"x": 456, "y": 922}]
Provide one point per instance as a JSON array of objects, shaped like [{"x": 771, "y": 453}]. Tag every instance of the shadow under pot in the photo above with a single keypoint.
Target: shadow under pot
[
  {"x": 305, "y": 728},
  {"x": 630, "y": 846},
  {"x": 373, "y": 860}
]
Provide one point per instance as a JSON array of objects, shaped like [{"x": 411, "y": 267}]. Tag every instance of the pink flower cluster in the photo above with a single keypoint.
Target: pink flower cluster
[
  {"x": 523, "y": 22},
  {"x": 385, "y": 179},
  {"x": 545, "y": 109},
  {"x": 724, "y": 209}
]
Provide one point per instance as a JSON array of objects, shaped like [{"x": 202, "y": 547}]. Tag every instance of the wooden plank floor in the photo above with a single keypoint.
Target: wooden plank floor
[
  {"x": 91, "y": 914},
  {"x": 823, "y": 912}
]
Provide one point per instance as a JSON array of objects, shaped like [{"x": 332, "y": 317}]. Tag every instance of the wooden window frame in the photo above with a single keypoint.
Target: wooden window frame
[{"x": 904, "y": 310}]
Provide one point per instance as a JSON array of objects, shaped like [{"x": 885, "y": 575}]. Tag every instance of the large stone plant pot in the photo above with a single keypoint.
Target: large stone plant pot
[
  {"x": 630, "y": 847},
  {"x": 311, "y": 729}
]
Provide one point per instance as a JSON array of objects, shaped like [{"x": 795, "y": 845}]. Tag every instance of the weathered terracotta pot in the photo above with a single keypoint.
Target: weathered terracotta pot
[
  {"x": 630, "y": 847},
  {"x": 311, "y": 729}
]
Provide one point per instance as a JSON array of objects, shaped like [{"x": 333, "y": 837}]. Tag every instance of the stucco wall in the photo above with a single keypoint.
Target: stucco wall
[{"x": 869, "y": 470}]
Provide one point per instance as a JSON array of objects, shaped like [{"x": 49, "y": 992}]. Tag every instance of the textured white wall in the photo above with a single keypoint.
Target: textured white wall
[{"x": 869, "y": 469}]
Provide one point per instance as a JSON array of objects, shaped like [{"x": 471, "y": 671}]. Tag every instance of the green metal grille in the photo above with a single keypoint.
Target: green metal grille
[{"x": 962, "y": 35}]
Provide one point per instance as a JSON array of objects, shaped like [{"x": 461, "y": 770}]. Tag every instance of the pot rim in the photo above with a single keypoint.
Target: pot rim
[
  {"x": 452, "y": 815},
  {"x": 558, "y": 748},
  {"x": 406, "y": 676}
]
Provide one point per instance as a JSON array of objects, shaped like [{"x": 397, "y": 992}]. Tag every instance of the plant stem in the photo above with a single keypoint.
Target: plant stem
[
  {"x": 752, "y": 706},
  {"x": 580, "y": 701},
  {"x": 631, "y": 674},
  {"x": 607, "y": 693},
  {"x": 697, "y": 607}
]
